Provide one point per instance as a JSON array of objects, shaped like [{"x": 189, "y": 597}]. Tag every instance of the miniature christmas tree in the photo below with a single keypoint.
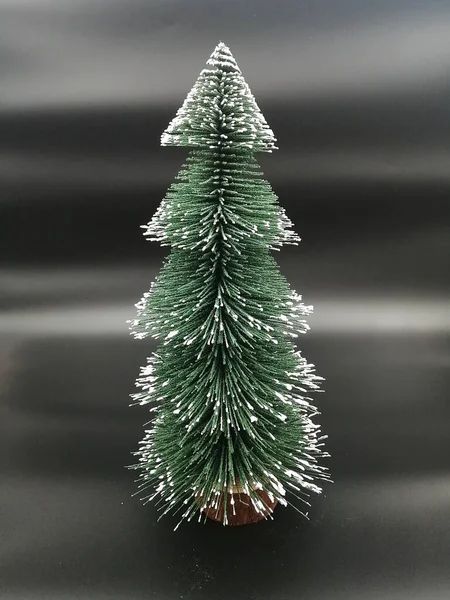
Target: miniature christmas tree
[{"x": 232, "y": 430}]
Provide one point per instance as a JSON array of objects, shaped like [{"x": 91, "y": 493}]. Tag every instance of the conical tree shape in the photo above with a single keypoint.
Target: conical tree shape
[
  {"x": 220, "y": 111},
  {"x": 228, "y": 387}
]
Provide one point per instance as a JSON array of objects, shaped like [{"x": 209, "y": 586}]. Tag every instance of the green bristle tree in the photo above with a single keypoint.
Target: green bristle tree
[{"x": 228, "y": 389}]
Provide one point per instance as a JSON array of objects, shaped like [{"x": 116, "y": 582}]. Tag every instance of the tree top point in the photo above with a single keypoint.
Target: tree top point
[
  {"x": 220, "y": 111},
  {"x": 221, "y": 58}
]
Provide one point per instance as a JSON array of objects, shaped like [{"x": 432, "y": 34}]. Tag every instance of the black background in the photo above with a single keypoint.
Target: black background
[{"x": 358, "y": 95}]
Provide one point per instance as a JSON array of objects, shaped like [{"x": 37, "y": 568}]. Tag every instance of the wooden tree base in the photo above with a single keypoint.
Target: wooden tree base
[{"x": 244, "y": 511}]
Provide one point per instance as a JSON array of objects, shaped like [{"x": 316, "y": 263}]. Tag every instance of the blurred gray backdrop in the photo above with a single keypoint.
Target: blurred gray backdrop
[{"x": 358, "y": 95}]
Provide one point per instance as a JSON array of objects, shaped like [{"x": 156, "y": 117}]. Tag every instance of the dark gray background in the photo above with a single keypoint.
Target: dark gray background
[{"x": 358, "y": 94}]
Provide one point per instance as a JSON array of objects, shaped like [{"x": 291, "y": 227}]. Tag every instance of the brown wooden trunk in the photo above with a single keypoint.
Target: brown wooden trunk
[{"x": 244, "y": 511}]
